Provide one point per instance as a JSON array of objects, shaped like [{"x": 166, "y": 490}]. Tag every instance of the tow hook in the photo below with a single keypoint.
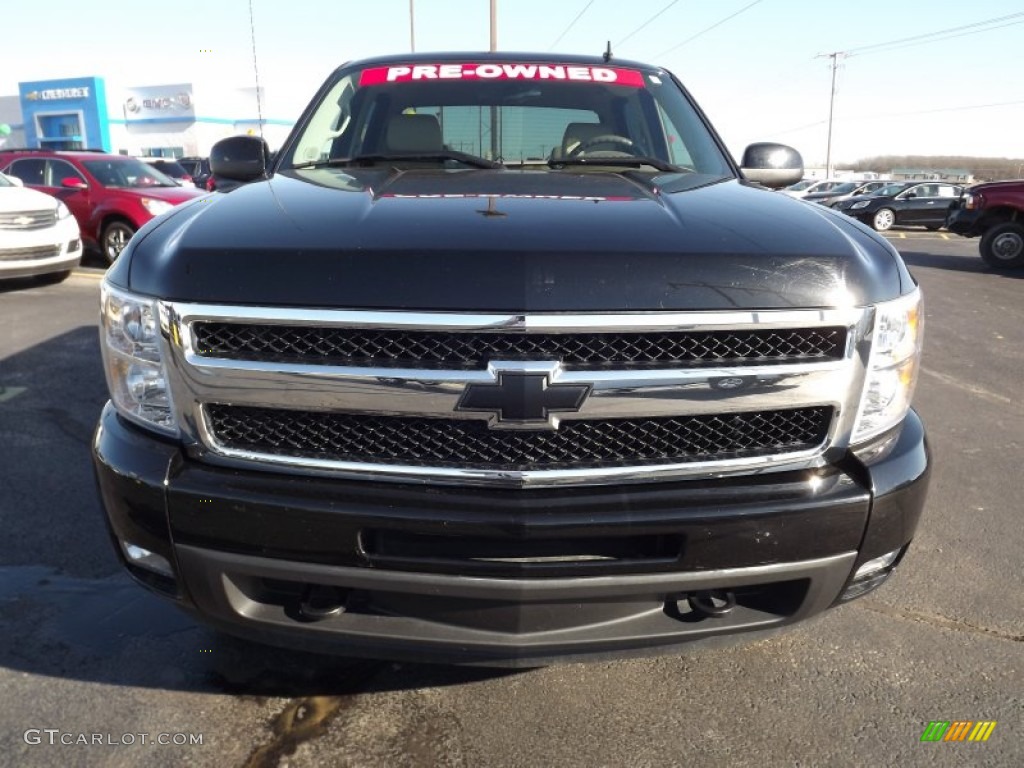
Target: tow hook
[
  {"x": 714, "y": 602},
  {"x": 322, "y": 602}
]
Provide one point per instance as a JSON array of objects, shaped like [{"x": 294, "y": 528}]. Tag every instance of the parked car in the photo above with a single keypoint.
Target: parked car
[
  {"x": 924, "y": 203},
  {"x": 818, "y": 186},
  {"x": 995, "y": 212},
  {"x": 801, "y": 185},
  {"x": 38, "y": 235},
  {"x": 171, "y": 167},
  {"x": 111, "y": 196},
  {"x": 825, "y": 197},
  {"x": 862, "y": 188},
  {"x": 198, "y": 168}
]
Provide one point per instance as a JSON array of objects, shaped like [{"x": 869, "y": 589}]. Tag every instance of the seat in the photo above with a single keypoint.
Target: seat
[
  {"x": 577, "y": 134},
  {"x": 106, "y": 175},
  {"x": 415, "y": 134}
]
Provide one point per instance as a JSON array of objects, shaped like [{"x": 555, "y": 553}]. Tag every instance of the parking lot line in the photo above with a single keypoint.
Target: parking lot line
[
  {"x": 974, "y": 389},
  {"x": 92, "y": 275}
]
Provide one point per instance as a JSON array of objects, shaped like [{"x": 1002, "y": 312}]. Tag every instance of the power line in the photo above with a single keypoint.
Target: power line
[
  {"x": 646, "y": 23},
  {"x": 571, "y": 25},
  {"x": 705, "y": 31},
  {"x": 880, "y": 115},
  {"x": 938, "y": 39},
  {"x": 861, "y": 49},
  {"x": 940, "y": 109},
  {"x": 804, "y": 127}
]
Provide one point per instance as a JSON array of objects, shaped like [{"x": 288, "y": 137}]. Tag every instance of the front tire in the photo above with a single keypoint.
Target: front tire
[
  {"x": 1002, "y": 246},
  {"x": 883, "y": 219},
  {"x": 115, "y": 237}
]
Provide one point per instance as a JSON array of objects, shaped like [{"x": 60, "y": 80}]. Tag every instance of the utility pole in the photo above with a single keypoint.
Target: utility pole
[
  {"x": 495, "y": 138},
  {"x": 494, "y": 25},
  {"x": 834, "y": 56},
  {"x": 412, "y": 27}
]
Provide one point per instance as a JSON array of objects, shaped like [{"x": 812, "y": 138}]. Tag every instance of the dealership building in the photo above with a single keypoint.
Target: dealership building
[{"x": 171, "y": 120}]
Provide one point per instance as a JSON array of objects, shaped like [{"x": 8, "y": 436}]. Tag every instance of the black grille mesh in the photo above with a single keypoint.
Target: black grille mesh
[
  {"x": 470, "y": 444},
  {"x": 473, "y": 350}
]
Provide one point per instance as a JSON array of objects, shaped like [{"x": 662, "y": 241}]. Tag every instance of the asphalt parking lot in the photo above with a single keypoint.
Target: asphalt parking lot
[{"x": 86, "y": 653}]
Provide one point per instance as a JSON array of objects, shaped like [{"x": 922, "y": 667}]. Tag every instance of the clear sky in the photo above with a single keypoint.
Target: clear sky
[{"x": 753, "y": 65}]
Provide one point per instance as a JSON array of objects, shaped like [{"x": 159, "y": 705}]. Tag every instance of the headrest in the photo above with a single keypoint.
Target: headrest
[
  {"x": 414, "y": 133},
  {"x": 580, "y": 133}
]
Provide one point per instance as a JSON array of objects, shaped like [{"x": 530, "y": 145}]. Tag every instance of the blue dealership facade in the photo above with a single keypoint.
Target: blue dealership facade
[
  {"x": 169, "y": 120},
  {"x": 65, "y": 114}
]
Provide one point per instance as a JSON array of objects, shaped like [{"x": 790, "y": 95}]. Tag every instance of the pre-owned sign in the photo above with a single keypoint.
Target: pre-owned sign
[{"x": 489, "y": 71}]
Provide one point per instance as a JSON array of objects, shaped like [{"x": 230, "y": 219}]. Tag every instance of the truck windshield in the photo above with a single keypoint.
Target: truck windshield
[{"x": 462, "y": 114}]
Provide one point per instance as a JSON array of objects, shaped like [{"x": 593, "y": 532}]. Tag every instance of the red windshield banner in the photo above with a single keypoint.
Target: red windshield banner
[{"x": 557, "y": 72}]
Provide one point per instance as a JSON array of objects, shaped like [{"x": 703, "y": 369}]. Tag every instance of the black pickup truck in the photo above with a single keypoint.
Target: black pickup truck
[{"x": 504, "y": 360}]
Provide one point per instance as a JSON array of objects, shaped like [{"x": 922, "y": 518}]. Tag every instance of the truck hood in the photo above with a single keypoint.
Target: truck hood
[
  {"x": 509, "y": 241},
  {"x": 996, "y": 186}
]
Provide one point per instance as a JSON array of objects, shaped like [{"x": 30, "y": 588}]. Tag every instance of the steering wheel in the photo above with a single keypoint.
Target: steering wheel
[{"x": 608, "y": 138}]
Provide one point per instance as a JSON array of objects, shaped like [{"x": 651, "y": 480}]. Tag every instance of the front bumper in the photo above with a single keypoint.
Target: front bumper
[
  {"x": 965, "y": 222},
  {"x": 64, "y": 239},
  {"x": 511, "y": 577}
]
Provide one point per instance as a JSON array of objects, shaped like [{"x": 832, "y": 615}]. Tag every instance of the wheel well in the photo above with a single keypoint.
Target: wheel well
[
  {"x": 108, "y": 220},
  {"x": 1000, "y": 215}
]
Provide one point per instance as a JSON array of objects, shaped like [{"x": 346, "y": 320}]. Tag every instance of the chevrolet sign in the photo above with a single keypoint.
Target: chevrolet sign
[{"x": 54, "y": 94}]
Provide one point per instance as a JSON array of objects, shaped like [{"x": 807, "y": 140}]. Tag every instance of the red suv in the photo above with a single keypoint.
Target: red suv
[{"x": 110, "y": 195}]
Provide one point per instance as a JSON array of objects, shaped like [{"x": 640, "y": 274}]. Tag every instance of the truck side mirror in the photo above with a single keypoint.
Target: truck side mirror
[
  {"x": 772, "y": 165},
  {"x": 240, "y": 158}
]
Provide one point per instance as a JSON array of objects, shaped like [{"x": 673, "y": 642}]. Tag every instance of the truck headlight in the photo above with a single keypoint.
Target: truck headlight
[
  {"x": 892, "y": 367},
  {"x": 130, "y": 330}
]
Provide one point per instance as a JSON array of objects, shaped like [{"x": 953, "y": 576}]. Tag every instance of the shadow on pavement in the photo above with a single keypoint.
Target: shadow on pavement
[
  {"x": 954, "y": 263},
  {"x": 68, "y": 609}
]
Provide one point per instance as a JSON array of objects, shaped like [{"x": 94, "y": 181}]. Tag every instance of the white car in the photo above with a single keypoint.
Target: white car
[{"x": 38, "y": 234}]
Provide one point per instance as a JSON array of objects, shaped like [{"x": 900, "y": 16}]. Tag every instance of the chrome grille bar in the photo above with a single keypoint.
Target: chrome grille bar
[{"x": 684, "y": 389}]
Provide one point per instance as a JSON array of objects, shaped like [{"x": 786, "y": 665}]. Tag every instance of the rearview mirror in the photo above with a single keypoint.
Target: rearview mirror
[
  {"x": 240, "y": 158},
  {"x": 772, "y": 165}
]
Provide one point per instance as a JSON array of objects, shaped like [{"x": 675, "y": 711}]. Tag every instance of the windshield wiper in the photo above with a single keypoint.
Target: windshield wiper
[
  {"x": 380, "y": 157},
  {"x": 628, "y": 162}
]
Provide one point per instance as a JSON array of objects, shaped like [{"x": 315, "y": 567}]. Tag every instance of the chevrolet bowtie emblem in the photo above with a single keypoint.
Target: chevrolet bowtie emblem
[{"x": 521, "y": 400}]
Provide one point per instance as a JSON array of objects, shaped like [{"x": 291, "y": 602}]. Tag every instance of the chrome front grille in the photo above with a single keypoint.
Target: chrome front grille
[
  {"x": 464, "y": 444},
  {"x": 30, "y": 254},
  {"x": 400, "y": 348},
  {"x": 432, "y": 397},
  {"x": 28, "y": 219}
]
